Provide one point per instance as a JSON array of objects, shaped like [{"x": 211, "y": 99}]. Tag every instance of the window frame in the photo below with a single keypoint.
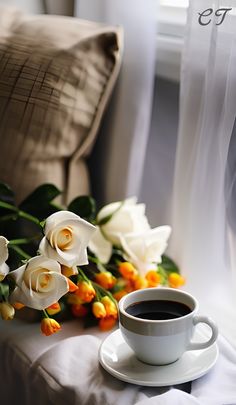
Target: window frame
[{"x": 171, "y": 22}]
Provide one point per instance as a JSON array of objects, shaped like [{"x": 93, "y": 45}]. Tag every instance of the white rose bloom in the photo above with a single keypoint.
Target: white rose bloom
[
  {"x": 128, "y": 217},
  {"x": 144, "y": 249},
  {"x": 39, "y": 283},
  {"x": 100, "y": 246},
  {"x": 4, "y": 269},
  {"x": 66, "y": 238}
]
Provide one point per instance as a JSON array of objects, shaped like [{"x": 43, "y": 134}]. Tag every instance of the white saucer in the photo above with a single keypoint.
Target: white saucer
[{"x": 118, "y": 359}]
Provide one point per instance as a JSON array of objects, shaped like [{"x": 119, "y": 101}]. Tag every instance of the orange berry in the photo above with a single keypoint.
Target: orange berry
[
  {"x": 110, "y": 306},
  {"x": 72, "y": 286},
  {"x": 119, "y": 294},
  {"x": 128, "y": 271},
  {"x": 68, "y": 271},
  {"x": 129, "y": 286},
  {"x": 49, "y": 326},
  {"x": 85, "y": 291},
  {"x": 140, "y": 283},
  {"x": 79, "y": 310},
  {"x": 53, "y": 309},
  {"x": 105, "y": 279},
  {"x": 175, "y": 280},
  {"x": 7, "y": 311},
  {"x": 98, "y": 309},
  {"x": 107, "y": 323},
  {"x": 18, "y": 305},
  {"x": 73, "y": 299},
  {"x": 153, "y": 278}
]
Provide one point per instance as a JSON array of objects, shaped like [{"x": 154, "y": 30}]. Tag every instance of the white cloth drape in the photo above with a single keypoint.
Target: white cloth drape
[
  {"x": 126, "y": 126},
  {"x": 204, "y": 174},
  {"x": 63, "y": 369}
]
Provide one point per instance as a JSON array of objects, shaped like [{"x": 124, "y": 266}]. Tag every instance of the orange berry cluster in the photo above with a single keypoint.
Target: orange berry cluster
[
  {"x": 153, "y": 278},
  {"x": 104, "y": 309},
  {"x": 103, "y": 306}
]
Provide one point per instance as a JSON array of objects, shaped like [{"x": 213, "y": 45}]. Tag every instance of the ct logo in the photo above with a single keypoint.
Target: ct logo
[{"x": 221, "y": 12}]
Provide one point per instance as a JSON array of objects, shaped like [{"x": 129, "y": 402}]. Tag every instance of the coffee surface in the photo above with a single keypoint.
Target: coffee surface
[{"x": 158, "y": 309}]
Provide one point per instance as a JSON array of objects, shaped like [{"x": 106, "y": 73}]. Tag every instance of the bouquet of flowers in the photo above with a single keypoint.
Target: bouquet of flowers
[{"x": 75, "y": 260}]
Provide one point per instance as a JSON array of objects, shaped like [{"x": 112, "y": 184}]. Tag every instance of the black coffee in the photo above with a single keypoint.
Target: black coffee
[{"x": 158, "y": 309}]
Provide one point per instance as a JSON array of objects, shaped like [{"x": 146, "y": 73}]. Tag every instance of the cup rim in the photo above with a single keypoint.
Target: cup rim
[{"x": 157, "y": 321}]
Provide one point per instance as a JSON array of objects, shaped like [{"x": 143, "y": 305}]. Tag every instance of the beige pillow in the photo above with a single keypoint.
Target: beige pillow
[{"x": 56, "y": 76}]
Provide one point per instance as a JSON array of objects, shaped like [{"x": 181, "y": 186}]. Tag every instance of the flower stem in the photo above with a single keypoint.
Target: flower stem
[
  {"x": 98, "y": 294},
  {"x": 20, "y": 251},
  {"x": 163, "y": 274},
  {"x": 8, "y": 217},
  {"x": 103, "y": 291},
  {"x": 45, "y": 314},
  {"x": 20, "y": 213},
  {"x": 31, "y": 218},
  {"x": 83, "y": 275},
  {"x": 95, "y": 260},
  {"x": 23, "y": 241},
  {"x": 8, "y": 206}
]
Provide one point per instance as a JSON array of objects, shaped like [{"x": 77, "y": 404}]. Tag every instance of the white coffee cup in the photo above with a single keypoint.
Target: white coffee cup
[{"x": 162, "y": 341}]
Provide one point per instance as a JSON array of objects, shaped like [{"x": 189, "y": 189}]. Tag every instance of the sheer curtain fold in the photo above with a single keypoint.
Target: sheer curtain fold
[
  {"x": 201, "y": 226},
  {"x": 126, "y": 126}
]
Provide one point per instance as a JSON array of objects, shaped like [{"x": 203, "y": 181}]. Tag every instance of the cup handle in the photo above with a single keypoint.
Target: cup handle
[{"x": 214, "y": 330}]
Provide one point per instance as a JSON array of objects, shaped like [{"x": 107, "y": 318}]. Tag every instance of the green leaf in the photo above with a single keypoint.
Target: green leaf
[
  {"x": 42, "y": 223},
  {"x": 42, "y": 194},
  {"x": 84, "y": 206},
  {"x": 11, "y": 283},
  {"x": 169, "y": 265},
  {"x": 4, "y": 290},
  {"x": 39, "y": 202},
  {"x": 6, "y": 193}
]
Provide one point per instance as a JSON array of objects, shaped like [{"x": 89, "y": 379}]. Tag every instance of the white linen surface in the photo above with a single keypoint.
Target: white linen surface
[{"x": 63, "y": 370}]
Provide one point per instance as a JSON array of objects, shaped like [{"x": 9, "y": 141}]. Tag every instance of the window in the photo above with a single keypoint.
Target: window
[{"x": 171, "y": 19}]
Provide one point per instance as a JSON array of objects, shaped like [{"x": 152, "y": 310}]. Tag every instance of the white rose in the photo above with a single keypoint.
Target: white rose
[
  {"x": 100, "y": 246},
  {"x": 144, "y": 249},
  {"x": 4, "y": 269},
  {"x": 39, "y": 283},
  {"x": 66, "y": 238},
  {"x": 127, "y": 217}
]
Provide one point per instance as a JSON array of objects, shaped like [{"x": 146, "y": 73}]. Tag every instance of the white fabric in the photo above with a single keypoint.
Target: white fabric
[
  {"x": 64, "y": 369},
  {"x": 202, "y": 193},
  {"x": 126, "y": 126}
]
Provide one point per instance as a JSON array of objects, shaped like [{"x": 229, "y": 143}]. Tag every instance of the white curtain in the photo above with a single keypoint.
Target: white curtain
[
  {"x": 204, "y": 203},
  {"x": 125, "y": 131}
]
